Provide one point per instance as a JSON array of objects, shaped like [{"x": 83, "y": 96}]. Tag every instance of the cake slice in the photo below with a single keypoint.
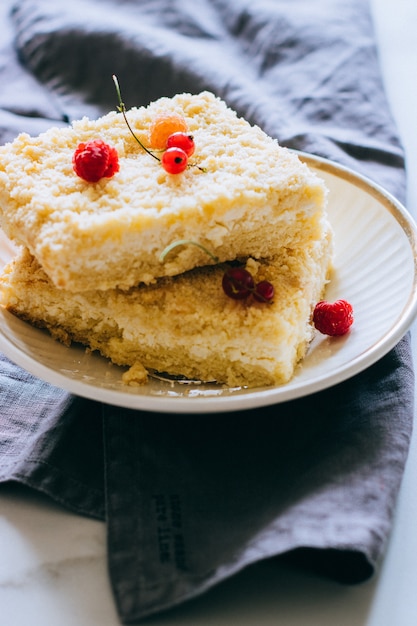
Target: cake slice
[
  {"x": 184, "y": 325},
  {"x": 242, "y": 195}
]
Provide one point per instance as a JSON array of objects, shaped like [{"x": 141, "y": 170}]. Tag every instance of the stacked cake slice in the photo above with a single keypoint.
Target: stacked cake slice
[{"x": 94, "y": 269}]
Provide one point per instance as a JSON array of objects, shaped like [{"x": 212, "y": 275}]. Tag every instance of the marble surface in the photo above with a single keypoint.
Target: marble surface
[{"x": 53, "y": 568}]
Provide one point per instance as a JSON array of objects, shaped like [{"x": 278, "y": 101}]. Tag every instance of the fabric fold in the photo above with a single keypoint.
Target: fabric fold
[
  {"x": 51, "y": 440},
  {"x": 306, "y": 72},
  {"x": 195, "y": 499}
]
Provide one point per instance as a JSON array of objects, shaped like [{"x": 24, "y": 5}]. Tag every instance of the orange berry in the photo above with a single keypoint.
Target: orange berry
[{"x": 162, "y": 127}]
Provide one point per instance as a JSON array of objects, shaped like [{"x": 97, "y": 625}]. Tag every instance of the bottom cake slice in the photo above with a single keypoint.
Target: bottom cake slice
[{"x": 184, "y": 325}]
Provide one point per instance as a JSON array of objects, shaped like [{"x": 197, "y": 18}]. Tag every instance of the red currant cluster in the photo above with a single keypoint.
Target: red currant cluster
[
  {"x": 169, "y": 133},
  {"x": 239, "y": 284},
  {"x": 179, "y": 147}
]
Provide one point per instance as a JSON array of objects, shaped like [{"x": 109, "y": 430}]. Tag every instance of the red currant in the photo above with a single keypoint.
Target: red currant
[
  {"x": 174, "y": 160},
  {"x": 183, "y": 141},
  {"x": 237, "y": 283},
  {"x": 264, "y": 291},
  {"x": 333, "y": 318},
  {"x": 95, "y": 159}
]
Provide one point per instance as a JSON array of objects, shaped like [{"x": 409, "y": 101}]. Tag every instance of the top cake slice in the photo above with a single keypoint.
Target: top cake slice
[{"x": 242, "y": 195}]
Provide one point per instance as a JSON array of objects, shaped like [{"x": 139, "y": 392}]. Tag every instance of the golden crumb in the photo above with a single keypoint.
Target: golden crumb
[
  {"x": 185, "y": 325},
  {"x": 248, "y": 197},
  {"x": 136, "y": 375}
]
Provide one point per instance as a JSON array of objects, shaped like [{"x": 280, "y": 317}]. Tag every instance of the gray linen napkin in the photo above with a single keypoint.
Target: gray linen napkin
[
  {"x": 191, "y": 499},
  {"x": 196, "y": 498}
]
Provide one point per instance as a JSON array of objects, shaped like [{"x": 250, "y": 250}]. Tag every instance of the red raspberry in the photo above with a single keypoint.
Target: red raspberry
[
  {"x": 333, "y": 318},
  {"x": 95, "y": 159}
]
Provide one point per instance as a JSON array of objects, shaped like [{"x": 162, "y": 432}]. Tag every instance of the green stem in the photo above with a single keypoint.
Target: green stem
[
  {"x": 186, "y": 242},
  {"x": 122, "y": 109}
]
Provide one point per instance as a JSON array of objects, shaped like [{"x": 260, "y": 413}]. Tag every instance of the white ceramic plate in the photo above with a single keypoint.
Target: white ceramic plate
[{"x": 375, "y": 270}]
